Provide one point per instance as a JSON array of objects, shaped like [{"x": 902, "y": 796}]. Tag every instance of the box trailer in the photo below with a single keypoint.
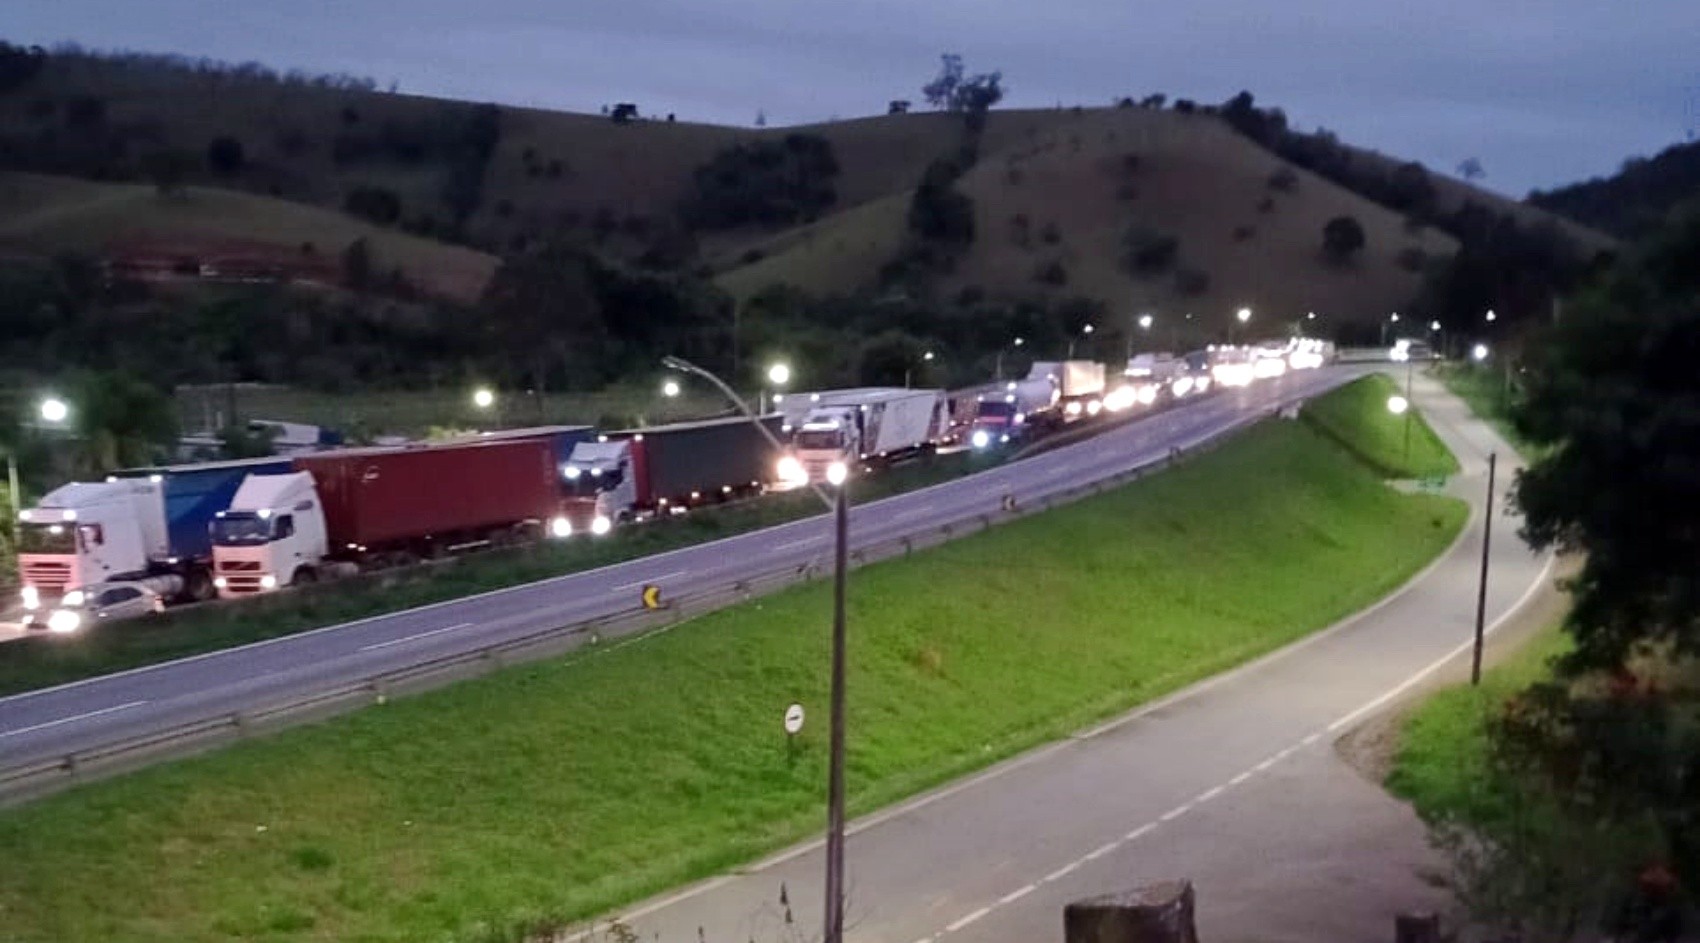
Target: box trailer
[{"x": 632, "y": 474}]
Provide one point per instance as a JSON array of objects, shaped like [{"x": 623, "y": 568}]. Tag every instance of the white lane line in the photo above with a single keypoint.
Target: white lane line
[
  {"x": 1099, "y": 851},
  {"x": 794, "y": 544},
  {"x": 1060, "y": 873},
  {"x": 1264, "y": 766},
  {"x": 1017, "y": 894},
  {"x": 646, "y": 581},
  {"x": 1176, "y": 812},
  {"x": 72, "y": 719},
  {"x": 415, "y": 636},
  {"x": 1140, "y": 832},
  {"x": 926, "y": 939},
  {"x": 965, "y": 921},
  {"x": 1209, "y": 794},
  {"x": 1439, "y": 663},
  {"x": 1311, "y": 739},
  {"x": 1240, "y": 778}
]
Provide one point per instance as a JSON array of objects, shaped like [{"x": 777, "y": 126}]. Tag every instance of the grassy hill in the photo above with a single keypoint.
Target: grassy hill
[
  {"x": 499, "y": 178},
  {"x": 42, "y": 213}
]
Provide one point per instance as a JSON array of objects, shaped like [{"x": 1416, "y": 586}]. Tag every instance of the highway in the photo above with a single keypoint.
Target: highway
[
  {"x": 1232, "y": 783},
  {"x": 79, "y": 716}
]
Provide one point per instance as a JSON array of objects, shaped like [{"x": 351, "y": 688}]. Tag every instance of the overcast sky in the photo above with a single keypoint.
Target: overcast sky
[{"x": 1544, "y": 92}]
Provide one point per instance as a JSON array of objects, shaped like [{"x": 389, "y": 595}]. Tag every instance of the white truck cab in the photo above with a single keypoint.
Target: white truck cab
[
  {"x": 602, "y": 489},
  {"x": 272, "y": 535},
  {"x": 89, "y": 532}
]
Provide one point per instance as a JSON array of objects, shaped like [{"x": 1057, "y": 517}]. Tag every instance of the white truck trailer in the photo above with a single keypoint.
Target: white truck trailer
[{"x": 862, "y": 427}]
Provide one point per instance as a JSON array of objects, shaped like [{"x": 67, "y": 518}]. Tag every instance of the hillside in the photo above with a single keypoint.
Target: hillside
[
  {"x": 610, "y": 213},
  {"x": 1634, "y": 201},
  {"x": 219, "y": 234}
]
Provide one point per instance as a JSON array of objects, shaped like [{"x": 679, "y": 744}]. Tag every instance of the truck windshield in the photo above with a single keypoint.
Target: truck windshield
[
  {"x": 241, "y": 529},
  {"x": 818, "y": 439},
  {"x": 586, "y": 484},
  {"x": 996, "y": 409},
  {"x": 47, "y": 538}
]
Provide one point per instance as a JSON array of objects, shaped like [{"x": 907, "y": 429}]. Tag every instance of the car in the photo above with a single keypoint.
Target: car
[{"x": 99, "y": 602}]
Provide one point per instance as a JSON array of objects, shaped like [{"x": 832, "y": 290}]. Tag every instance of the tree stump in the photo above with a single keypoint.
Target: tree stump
[{"x": 1156, "y": 913}]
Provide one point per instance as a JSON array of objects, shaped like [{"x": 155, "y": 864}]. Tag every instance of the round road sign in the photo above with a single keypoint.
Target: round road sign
[{"x": 793, "y": 718}]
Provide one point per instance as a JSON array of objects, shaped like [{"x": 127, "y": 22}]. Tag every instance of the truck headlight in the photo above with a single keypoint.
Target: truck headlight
[
  {"x": 269, "y": 581},
  {"x": 980, "y": 439},
  {"x": 64, "y": 621},
  {"x": 73, "y": 598},
  {"x": 31, "y": 597},
  {"x": 561, "y": 527},
  {"x": 601, "y": 525},
  {"x": 791, "y": 471},
  {"x": 220, "y": 582}
]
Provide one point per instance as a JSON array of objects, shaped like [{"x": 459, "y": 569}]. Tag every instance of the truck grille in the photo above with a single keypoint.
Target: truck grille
[
  {"x": 47, "y": 576},
  {"x": 238, "y": 566},
  {"x": 244, "y": 584}
]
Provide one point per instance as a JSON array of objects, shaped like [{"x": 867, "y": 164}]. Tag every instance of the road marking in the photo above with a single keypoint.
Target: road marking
[
  {"x": 417, "y": 635},
  {"x": 794, "y": 544},
  {"x": 912, "y": 512},
  {"x": 1240, "y": 778},
  {"x": 623, "y": 587},
  {"x": 1017, "y": 894},
  {"x": 1140, "y": 832},
  {"x": 965, "y": 921},
  {"x": 1060, "y": 873},
  {"x": 1439, "y": 663},
  {"x": 72, "y": 719},
  {"x": 1100, "y": 851},
  {"x": 1264, "y": 766},
  {"x": 1176, "y": 812},
  {"x": 1311, "y": 739},
  {"x": 1209, "y": 794}
]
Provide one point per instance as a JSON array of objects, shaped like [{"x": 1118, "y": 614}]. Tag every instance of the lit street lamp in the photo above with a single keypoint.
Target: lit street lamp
[
  {"x": 1479, "y": 353},
  {"x": 670, "y": 389},
  {"x": 1398, "y": 405},
  {"x": 998, "y": 370},
  {"x": 483, "y": 398},
  {"x": 1243, "y": 316},
  {"x": 837, "y": 475},
  {"x": 54, "y": 410},
  {"x": 1491, "y": 317}
]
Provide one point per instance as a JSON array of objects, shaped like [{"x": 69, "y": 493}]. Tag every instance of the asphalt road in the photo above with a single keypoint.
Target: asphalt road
[
  {"x": 81, "y": 715},
  {"x": 1232, "y": 784}
]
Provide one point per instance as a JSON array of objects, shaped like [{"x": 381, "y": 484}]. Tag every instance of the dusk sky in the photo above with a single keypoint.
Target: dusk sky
[{"x": 1544, "y": 92}]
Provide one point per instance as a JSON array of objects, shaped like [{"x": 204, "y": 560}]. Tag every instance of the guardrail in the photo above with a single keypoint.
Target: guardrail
[{"x": 33, "y": 779}]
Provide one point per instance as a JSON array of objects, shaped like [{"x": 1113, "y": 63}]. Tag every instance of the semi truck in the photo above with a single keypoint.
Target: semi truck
[
  {"x": 861, "y": 427},
  {"x": 1013, "y": 412},
  {"x": 146, "y": 525},
  {"x": 635, "y": 474},
  {"x": 356, "y": 509},
  {"x": 1080, "y": 385}
]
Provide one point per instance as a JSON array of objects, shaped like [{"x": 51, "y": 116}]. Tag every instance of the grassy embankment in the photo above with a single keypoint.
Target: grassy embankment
[
  {"x": 1489, "y": 396},
  {"x": 558, "y": 790},
  {"x": 1398, "y": 446},
  {"x": 43, "y": 661},
  {"x": 1442, "y": 763}
]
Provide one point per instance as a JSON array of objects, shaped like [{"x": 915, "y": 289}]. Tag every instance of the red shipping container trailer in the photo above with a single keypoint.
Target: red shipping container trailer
[{"x": 433, "y": 498}]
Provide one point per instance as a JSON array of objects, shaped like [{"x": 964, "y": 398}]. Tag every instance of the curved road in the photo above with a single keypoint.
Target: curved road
[
  {"x": 1231, "y": 783},
  {"x": 75, "y": 717}
]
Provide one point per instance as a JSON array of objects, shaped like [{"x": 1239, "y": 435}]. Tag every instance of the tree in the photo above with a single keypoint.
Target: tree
[
  {"x": 898, "y": 106},
  {"x": 769, "y": 182},
  {"x": 357, "y": 265},
  {"x": 377, "y": 204},
  {"x": 236, "y": 442},
  {"x": 166, "y": 170},
  {"x": 941, "y": 91},
  {"x": 225, "y": 155},
  {"x": 1471, "y": 169},
  {"x": 972, "y": 97},
  {"x": 121, "y": 421},
  {"x": 938, "y": 212},
  {"x": 1342, "y": 238}
]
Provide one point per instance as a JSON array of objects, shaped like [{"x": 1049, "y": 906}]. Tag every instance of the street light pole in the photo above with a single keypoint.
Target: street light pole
[
  {"x": 1481, "y": 587},
  {"x": 1408, "y": 370},
  {"x": 833, "y": 905}
]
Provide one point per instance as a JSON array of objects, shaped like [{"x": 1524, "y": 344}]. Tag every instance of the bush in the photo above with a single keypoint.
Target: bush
[
  {"x": 225, "y": 155},
  {"x": 1051, "y": 273},
  {"x": 1266, "y": 205},
  {"x": 1244, "y": 233},
  {"x": 769, "y": 183},
  {"x": 1412, "y": 259},
  {"x": 1050, "y": 235},
  {"x": 84, "y": 111},
  {"x": 1284, "y": 180},
  {"x": 1146, "y": 251},
  {"x": 1192, "y": 282},
  {"x": 1130, "y": 163},
  {"x": 374, "y": 204},
  {"x": 1342, "y": 238}
]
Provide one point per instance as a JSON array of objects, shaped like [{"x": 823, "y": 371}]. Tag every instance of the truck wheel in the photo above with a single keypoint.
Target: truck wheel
[
  {"x": 198, "y": 586},
  {"x": 304, "y": 577}
]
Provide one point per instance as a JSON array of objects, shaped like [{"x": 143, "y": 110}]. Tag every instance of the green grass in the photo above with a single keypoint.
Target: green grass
[
  {"x": 558, "y": 790},
  {"x": 42, "y": 661},
  {"x": 1398, "y": 446},
  {"x": 416, "y": 412},
  {"x": 1442, "y": 763},
  {"x": 1485, "y": 391}
]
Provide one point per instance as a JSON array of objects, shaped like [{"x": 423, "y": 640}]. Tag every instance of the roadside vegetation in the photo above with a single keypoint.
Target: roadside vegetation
[
  {"x": 1490, "y": 394},
  {"x": 1399, "y": 446},
  {"x": 553, "y": 792},
  {"x": 43, "y": 661}
]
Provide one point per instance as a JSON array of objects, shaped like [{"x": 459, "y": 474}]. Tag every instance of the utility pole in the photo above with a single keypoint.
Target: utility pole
[
  {"x": 835, "y": 774},
  {"x": 1481, "y": 588}
]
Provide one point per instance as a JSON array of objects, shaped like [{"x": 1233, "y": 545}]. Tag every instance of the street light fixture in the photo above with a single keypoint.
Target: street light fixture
[
  {"x": 1491, "y": 317},
  {"x": 1398, "y": 405},
  {"x": 779, "y": 374},
  {"x": 54, "y": 410},
  {"x": 838, "y": 475},
  {"x": 1479, "y": 353},
  {"x": 483, "y": 398},
  {"x": 1145, "y": 322},
  {"x": 670, "y": 388}
]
